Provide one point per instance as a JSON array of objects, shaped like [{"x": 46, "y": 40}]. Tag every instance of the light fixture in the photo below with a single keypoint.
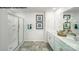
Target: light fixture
[{"x": 54, "y": 9}]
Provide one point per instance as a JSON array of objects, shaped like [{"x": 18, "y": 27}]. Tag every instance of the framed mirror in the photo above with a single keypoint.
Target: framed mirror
[{"x": 66, "y": 17}]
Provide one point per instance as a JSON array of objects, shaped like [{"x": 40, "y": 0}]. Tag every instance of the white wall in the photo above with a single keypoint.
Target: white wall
[
  {"x": 58, "y": 20},
  {"x": 33, "y": 34},
  {"x": 50, "y": 24},
  {"x": 3, "y": 30}
]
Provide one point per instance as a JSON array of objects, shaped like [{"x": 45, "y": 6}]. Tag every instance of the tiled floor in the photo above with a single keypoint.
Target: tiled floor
[{"x": 35, "y": 46}]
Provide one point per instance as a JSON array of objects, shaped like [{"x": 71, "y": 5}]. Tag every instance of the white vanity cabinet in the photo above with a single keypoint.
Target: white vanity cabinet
[
  {"x": 61, "y": 46},
  {"x": 57, "y": 44},
  {"x": 51, "y": 40}
]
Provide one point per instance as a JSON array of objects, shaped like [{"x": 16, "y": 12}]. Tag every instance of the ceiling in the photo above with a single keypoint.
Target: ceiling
[
  {"x": 33, "y": 9},
  {"x": 73, "y": 10}
]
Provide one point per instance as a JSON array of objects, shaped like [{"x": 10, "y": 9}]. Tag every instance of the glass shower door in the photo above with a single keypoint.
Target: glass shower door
[{"x": 12, "y": 32}]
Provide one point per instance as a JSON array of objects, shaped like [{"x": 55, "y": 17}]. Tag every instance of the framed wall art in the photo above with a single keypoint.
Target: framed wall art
[
  {"x": 39, "y": 21},
  {"x": 39, "y": 26},
  {"x": 39, "y": 18}
]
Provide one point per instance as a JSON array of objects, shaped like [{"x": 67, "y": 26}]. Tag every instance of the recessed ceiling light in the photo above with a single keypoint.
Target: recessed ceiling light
[{"x": 54, "y": 9}]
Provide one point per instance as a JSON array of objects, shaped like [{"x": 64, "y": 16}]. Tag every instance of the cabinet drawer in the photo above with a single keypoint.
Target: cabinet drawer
[
  {"x": 61, "y": 46},
  {"x": 51, "y": 40},
  {"x": 58, "y": 46}
]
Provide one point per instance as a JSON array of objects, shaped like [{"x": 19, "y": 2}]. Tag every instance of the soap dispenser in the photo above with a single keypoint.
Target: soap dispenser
[{"x": 76, "y": 27}]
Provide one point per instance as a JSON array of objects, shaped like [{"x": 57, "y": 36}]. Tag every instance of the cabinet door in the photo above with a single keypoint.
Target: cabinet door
[
  {"x": 21, "y": 31},
  {"x": 58, "y": 47},
  {"x": 61, "y": 46},
  {"x": 51, "y": 40},
  {"x": 12, "y": 31}
]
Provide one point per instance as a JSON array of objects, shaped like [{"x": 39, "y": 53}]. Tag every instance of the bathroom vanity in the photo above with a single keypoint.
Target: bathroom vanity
[{"x": 62, "y": 43}]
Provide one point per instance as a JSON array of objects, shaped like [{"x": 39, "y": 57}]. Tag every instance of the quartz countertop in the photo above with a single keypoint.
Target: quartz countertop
[{"x": 69, "y": 41}]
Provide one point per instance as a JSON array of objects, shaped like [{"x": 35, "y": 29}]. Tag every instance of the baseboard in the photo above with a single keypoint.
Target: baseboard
[{"x": 36, "y": 40}]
